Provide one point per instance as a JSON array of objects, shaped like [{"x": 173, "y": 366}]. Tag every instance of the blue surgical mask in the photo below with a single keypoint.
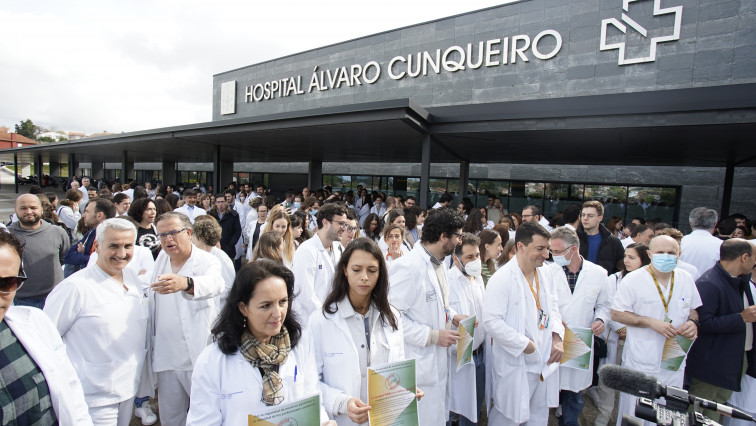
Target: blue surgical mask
[
  {"x": 664, "y": 262},
  {"x": 561, "y": 260},
  {"x": 313, "y": 212},
  {"x": 296, "y": 204}
]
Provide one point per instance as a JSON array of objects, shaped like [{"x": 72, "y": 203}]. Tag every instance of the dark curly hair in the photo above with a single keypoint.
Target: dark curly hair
[
  {"x": 441, "y": 221},
  {"x": 228, "y": 327},
  {"x": 137, "y": 208}
]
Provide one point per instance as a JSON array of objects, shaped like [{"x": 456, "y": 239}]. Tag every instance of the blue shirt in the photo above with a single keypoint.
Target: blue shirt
[{"x": 594, "y": 241}]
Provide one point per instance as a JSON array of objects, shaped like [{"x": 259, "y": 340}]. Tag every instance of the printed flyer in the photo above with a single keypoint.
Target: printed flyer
[
  {"x": 578, "y": 348},
  {"x": 465, "y": 343},
  {"x": 391, "y": 394},
  {"x": 674, "y": 353},
  {"x": 299, "y": 412}
]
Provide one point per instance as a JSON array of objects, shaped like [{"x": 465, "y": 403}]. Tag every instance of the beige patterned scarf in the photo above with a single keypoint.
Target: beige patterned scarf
[{"x": 267, "y": 357}]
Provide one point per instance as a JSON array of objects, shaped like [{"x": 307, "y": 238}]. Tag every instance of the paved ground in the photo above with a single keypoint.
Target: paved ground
[{"x": 7, "y": 199}]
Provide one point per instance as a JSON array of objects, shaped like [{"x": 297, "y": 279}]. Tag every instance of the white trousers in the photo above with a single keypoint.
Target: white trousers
[
  {"x": 118, "y": 414},
  {"x": 539, "y": 411},
  {"x": 174, "y": 388}
]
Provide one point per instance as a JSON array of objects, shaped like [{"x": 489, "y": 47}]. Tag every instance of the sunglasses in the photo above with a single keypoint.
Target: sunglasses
[{"x": 10, "y": 284}]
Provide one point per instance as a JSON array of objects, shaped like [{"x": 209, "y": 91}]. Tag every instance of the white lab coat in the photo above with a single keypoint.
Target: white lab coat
[
  {"x": 465, "y": 298},
  {"x": 638, "y": 294},
  {"x": 416, "y": 293},
  {"x": 313, "y": 275},
  {"x": 510, "y": 318},
  {"x": 196, "y": 211},
  {"x": 227, "y": 388},
  {"x": 43, "y": 343},
  {"x": 198, "y": 312},
  {"x": 747, "y": 395},
  {"x": 589, "y": 302},
  {"x": 228, "y": 272},
  {"x": 105, "y": 330},
  {"x": 700, "y": 249},
  {"x": 337, "y": 359}
]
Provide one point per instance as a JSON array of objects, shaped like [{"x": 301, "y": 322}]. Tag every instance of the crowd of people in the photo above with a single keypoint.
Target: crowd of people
[{"x": 222, "y": 305}]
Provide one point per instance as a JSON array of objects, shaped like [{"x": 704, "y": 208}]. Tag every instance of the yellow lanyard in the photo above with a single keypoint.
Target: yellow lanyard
[
  {"x": 661, "y": 295},
  {"x": 537, "y": 290}
]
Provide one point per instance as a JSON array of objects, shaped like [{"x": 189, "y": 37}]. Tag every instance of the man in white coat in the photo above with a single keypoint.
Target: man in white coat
[
  {"x": 186, "y": 282},
  {"x": 700, "y": 248},
  {"x": 420, "y": 291},
  {"x": 521, "y": 314},
  {"x": 315, "y": 260},
  {"x": 656, "y": 302},
  {"x": 101, "y": 312},
  {"x": 190, "y": 208},
  {"x": 583, "y": 303},
  {"x": 466, "y": 291}
]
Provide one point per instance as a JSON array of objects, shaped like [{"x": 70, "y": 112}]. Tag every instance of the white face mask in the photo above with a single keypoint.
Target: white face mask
[{"x": 474, "y": 268}]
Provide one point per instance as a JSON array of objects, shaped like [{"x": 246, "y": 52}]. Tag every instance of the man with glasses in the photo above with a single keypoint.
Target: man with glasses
[
  {"x": 581, "y": 288},
  {"x": 315, "y": 261},
  {"x": 420, "y": 291},
  {"x": 349, "y": 234},
  {"x": 45, "y": 246},
  {"x": 597, "y": 244},
  {"x": 185, "y": 284},
  {"x": 533, "y": 214}
]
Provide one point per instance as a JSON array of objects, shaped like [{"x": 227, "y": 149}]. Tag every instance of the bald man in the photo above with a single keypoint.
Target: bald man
[
  {"x": 656, "y": 302},
  {"x": 45, "y": 245}
]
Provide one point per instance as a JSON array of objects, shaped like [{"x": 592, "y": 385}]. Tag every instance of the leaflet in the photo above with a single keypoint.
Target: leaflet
[
  {"x": 578, "y": 348},
  {"x": 465, "y": 343},
  {"x": 674, "y": 353},
  {"x": 391, "y": 394},
  {"x": 298, "y": 412}
]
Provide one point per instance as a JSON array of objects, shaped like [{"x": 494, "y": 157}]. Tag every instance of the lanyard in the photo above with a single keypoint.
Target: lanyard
[
  {"x": 537, "y": 290},
  {"x": 661, "y": 295}
]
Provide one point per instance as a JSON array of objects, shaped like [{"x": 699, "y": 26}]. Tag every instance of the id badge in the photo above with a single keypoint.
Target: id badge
[
  {"x": 667, "y": 320},
  {"x": 543, "y": 322},
  {"x": 448, "y": 313}
]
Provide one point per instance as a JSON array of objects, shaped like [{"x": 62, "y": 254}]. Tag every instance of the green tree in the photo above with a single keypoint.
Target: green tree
[
  {"x": 45, "y": 139},
  {"x": 27, "y": 128}
]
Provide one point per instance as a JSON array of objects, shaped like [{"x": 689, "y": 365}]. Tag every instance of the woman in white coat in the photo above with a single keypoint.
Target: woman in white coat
[
  {"x": 32, "y": 342},
  {"x": 259, "y": 358},
  {"x": 357, "y": 328}
]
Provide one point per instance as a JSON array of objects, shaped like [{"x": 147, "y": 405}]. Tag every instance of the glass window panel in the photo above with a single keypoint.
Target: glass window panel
[
  {"x": 525, "y": 193},
  {"x": 652, "y": 203},
  {"x": 413, "y": 187},
  {"x": 611, "y": 196},
  {"x": 365, "y": 181},
  {"x": 452, "y": 186},
  {"x": 560, "y": 195}
]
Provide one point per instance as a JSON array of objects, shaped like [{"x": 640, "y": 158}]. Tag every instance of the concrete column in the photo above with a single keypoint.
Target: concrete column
[
  {"x": 223, "y": 171},
  {"x": 15, "y": 178},
  {"x": 98, "y": 170},
  {"x": 169, "y": 172},
  {"x": 464, "y": 177},
  {"x": 127, "y": 167},
  {"x": 727, "y": 190},
  {"x": 72, "y": 165},
  {"x": 54, "y": 169},
  {"x": 315, "y": 175},
  {"x": 425, "y": 172},
  {"x": 38, "y": 169}
]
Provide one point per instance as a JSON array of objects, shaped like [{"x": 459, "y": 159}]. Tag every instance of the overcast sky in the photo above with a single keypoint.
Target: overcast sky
[{"x": 91, "y": 66}]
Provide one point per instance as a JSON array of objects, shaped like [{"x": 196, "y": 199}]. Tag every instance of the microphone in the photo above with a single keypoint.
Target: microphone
[{"x": 642, "y": 385}]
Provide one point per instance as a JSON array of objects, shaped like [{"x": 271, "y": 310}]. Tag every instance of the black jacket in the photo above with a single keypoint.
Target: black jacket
[
  {"x": 231, "y": 231},
  {"x": 610, "y": 254},
  {"x": 717, "y": 355}
]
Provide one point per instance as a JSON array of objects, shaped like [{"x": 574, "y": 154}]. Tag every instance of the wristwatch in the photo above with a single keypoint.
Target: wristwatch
[{"x": 189, "y": 284}]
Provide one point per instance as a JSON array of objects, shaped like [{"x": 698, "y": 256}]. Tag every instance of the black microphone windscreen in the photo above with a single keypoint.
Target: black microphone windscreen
[{"x": 630, "y": 381}]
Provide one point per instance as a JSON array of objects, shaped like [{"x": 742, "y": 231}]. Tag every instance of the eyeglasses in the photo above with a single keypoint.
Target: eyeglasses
[
  {"x": 352, "y": 228},
  {"x": 10, "y": 284},
  {"x": 171, "y": 234},
  {"x": 560, "y": 252},
  {"x": 457, "y": 234},
  {"x": 341, "y": 224}
]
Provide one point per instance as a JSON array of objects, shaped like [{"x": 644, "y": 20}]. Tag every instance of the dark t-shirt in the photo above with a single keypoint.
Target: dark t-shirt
[{"x": 146, "y": 237}]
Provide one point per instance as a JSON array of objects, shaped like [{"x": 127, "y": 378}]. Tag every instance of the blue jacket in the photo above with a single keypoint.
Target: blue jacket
[
  {"x": 717, "y": 356},
  {"x": 80, "y": 260}
]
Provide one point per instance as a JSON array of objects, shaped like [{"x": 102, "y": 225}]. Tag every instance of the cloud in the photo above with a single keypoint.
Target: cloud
[{"x": 125, "y": 66}]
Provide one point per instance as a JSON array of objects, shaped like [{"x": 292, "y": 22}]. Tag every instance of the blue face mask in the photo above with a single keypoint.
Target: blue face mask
[
  {"x": 313, "y": 212},
  {"x": 296, "y": 204},
  {"x": 664, "y": 262}
]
